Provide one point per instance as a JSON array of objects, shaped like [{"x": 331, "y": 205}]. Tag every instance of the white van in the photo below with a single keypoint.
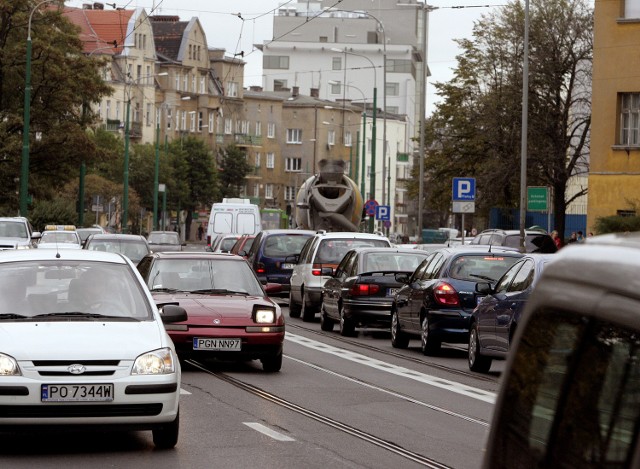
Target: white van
[{"x": 233, "y": 216}]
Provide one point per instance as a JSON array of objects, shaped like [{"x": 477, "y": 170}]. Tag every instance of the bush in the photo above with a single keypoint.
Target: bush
[
  {"x": 57, "y": 211},
  {"x": 617, "y": 224}
]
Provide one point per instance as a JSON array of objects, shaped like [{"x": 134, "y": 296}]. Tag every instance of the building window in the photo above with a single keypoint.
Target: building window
[
  {"x": 629, "y": 119},
  {"x": 193, "y": 83},
  {"x": 279, "y": 85},
  {"x": 258, "y": 129},
  {"x": 347, "y": 138},
  {"x": 393, "y": 89},
  {"x": 258, "y": 158},
  {"x": 331, "y": 137},
  {"x": 232, "y": 89},
  {"x": 293, "y": 165},
  {"x": 185, "y": 82},
  {"x": 368, "y": 145},
  {"x": 256, "y": 190},
  {"x": 271, "y": 130},
  {"x": 136, "y": 113},
  {"x": 399, "y": 66},
  {"x": 268, "y": 191},
  {"x": 626, "y": 213},
  {"x": 200, "y": 118},
  {"x": 271, "y": 160},
  {"x": 190, "y": 51},
  {"x": 294, "y": 136},
  {"x": 148, "y": 76},
  {"x": 177, "y": 82},
  {"x": 632, "y": 9},
  {"x": 147, "y": 116},
  {"x": 168, "y": 118},
  {"x": 289, "y": 193},
  {"x": 278, "y": 62},
  {"x": 210, "y": 122},
  {"x": 108, "y": 116},
  {"x": 336, "y": 63},
  {"x": 228, "y": 126},
  {"x": 192, "y": 123},
  {"x": 245, "y": 127},
  {"x": 138, "y": 72},
  {"x": 393, "y": 109},
  {"x": 202, "y": 85},
  {"x": 336, "y": 87}
]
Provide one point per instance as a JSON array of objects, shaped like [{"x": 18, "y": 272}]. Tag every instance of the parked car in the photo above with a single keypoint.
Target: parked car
[
  {"x": 230, "y": 316},
  {"x": 360, "y": 292},
  {"x": 83, "y": 344},
  {"x": 269, "y": 252},
  {"x": 569, "y": 393},
  {"x": 17, "y": 233},
  {"x": 59, "y": 237},
  {"x": 135, "y": 247},
  {"x": 321, "y": 250},
  {"x": 535, "y": 240},
  {"x": 439, "y": 297},
  {"x": 496, "y": 318},
  {"x": 165, "y": 241},
  {"x": 243, "y": 245}
]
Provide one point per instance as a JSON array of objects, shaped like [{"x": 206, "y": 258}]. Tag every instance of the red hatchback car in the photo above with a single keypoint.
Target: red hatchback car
[{"x": 230, "y": 316}]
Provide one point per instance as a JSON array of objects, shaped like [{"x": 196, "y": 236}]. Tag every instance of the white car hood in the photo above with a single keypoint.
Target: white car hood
[{"x": 74, "y": 340}]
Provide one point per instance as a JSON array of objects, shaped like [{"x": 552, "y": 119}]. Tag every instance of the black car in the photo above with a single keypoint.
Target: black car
[
  {"x": 495, "y": 319},
  {"x": 361, "y": 290},
  {"x": 535, "y": 240},
  {"x": 437, "y": 301}
]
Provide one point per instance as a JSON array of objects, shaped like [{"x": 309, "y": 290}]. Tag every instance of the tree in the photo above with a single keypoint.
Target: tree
[
  {"x": 233, "y": 172},
  {"x": 64, "y": 83},
  {"x": 475, "y": 130}
]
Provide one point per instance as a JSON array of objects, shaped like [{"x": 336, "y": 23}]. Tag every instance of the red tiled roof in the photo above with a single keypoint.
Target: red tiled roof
[{"x": 100, "y": 28}]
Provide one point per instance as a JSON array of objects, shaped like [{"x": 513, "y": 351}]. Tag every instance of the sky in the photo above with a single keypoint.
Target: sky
[{"x": 453, "y": 19}]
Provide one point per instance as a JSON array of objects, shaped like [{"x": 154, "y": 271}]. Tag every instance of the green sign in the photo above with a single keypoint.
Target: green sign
[{"x": 538, "y": 199}]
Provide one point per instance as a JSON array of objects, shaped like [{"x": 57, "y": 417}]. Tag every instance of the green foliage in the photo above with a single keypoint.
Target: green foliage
[
  {"x": 235, "y": 168},
  {"x": 617, "y": 224},
  {"x": 58, "y": 211}
]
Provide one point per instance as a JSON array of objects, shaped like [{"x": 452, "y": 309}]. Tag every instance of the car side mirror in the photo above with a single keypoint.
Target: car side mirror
[
  {"x": 272, "y": 288},
  {"x": 327, "y": 271},
  {"x": 243, "y": 253},
  {"x": 293, "y": 259},
  {"x": 172, "y": 313},
  {"x": 402, "y": 277},
  {"x": 484, "y": 288}
]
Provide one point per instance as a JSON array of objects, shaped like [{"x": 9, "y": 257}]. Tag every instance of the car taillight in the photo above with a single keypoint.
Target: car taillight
[
  {"x": 260, "y": 269},
  {"x": 445, "y": 294},
  {"x": 316, "y": 270},
  {"x": 364, "y": 289},
  {"x": 209, "y": 240}
]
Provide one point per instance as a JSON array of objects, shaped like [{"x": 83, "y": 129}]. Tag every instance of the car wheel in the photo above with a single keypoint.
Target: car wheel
[
  {"x": 430, "y": 346},
  {"x": 477, "y": 362},
  {"x": 326, "y": 323},
  {"x": 294, "y": 308},
  {"x": 308, "y": 311},
  {"x": 272, "y": 363},
  {"x": 398, "y": 338},
  {"x": 165, "y": 436},
  {"x": 347, "y": 326}
]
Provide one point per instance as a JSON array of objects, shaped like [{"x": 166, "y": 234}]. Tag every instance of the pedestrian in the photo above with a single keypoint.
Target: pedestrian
[
  {"x": 556, "y": 239},
  {"x": 573, "y": 238},
  {"x": 580, "y": 237},
  {"x": 200, "y": 232}
]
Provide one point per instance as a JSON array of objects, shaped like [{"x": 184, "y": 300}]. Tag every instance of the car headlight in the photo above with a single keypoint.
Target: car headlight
[
  {"x": 156, "y": 362},
  {"x": 8, "y": 366},
  {"x": 265, "y": 316}
]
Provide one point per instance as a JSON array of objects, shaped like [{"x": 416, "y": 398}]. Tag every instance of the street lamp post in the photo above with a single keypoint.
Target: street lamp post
[{"x": 24, "y": 169}]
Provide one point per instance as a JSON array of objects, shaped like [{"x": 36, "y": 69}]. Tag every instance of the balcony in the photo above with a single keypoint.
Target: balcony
[
  {"x": 112, "y": 125},
  {"x": 248, "y": 140},
  {"x": 254, "y": 174}
]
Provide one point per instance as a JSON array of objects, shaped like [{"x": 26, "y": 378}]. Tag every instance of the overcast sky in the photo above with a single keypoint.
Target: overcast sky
[{"x": 224, "y": 29}]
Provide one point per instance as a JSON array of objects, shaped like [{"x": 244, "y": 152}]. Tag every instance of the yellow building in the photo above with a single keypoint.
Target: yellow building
[{"x": 614, "y": 173}]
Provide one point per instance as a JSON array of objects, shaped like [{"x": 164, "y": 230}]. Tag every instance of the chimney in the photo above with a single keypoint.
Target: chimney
[
  {"x": 255, "y": 88},
  {"x": 314, "y": 92},
  {"x": 98, "y": 6},
  {"x": 295, "y": 90},
  {"x": 87, "y": 6}
]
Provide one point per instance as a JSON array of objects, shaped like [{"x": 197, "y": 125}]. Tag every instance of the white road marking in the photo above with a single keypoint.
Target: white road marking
[
  {"x": 184, "y": 392},
  {"x": 267, "y": 431},
  {"x": 442, "y": 383}
]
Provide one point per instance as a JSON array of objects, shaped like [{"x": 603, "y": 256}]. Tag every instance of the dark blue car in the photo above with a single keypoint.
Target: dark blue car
[
  {"x": 269, "y": 251},
  {"x": 494, "y": 321}
]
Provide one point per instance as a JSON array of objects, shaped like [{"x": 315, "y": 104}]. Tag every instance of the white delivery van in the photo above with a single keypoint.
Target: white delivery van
[{"x": 232, "y": 216}]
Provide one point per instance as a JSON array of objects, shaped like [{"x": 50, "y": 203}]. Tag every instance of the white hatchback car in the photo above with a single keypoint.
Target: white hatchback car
[
  {"x": 83, "y": 344},
  {"x": 322, "y": 250}
]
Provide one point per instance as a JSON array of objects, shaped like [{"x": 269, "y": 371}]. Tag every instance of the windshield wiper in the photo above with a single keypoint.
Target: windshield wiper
[
  {"x": 219, "y": 291},
  {"x": 79, "y": 314},
  {"x": 166, "y": 290},
  {"x": 12, "y": 316}
]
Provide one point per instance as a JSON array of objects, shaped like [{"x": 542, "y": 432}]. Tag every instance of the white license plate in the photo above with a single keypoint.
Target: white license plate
[
  {"x": 76, "y": 392},
  {"x": 200, "y": 343},
  {"x": 287, "y": 266},
  {"x": 479, "y": 299},
  {"x": 391, "y": 291}
]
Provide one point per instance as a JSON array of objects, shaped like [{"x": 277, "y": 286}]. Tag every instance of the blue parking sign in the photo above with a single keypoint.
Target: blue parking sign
[
  {"x": 383, "y": 212},
  {"x": 464, "y": 189}
]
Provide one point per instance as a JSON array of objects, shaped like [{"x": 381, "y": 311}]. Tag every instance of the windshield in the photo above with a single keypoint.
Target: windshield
[
  {"x": 331, "y": 251},
  {"x": 13, "y": 229},
  {"x": 134, "y": 250},
  {"x": 60, "y": 237},
  {"x": 64, "y": 288},
  {"x": 203, "y": 274}
]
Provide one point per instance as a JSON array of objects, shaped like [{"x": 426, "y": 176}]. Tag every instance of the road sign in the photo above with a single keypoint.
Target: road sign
[
  {"x": 370, "y": 207},
  {"x": 387, "y": 223},
  {"x": 97, "y": 208},
  {"x": 538, "y": 199},
  {"x": 464, "y": 189},
  {"x": 464, "y": 207},
  {"x": 383, "y": 212}
]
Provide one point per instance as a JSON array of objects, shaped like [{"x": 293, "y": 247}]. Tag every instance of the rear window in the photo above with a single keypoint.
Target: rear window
[
  {"x": 284, "y": 245},
  {"x": 541, "y": 243},
  {"x": 331, "y": 251},
  {"x": 227, "y": 243},
  {"x": 392, "y": 261},
  {"x": 480, "y": 267}
]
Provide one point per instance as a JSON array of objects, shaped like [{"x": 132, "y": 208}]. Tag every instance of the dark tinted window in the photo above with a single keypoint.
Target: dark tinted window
[
  {"x": 331, "y": 251},
  {"x": 573, "y": 397},
  {"x": 506, "y": 278},
  {"x": 480, "y": 267},
  {"x": 524, "y": 278}
]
